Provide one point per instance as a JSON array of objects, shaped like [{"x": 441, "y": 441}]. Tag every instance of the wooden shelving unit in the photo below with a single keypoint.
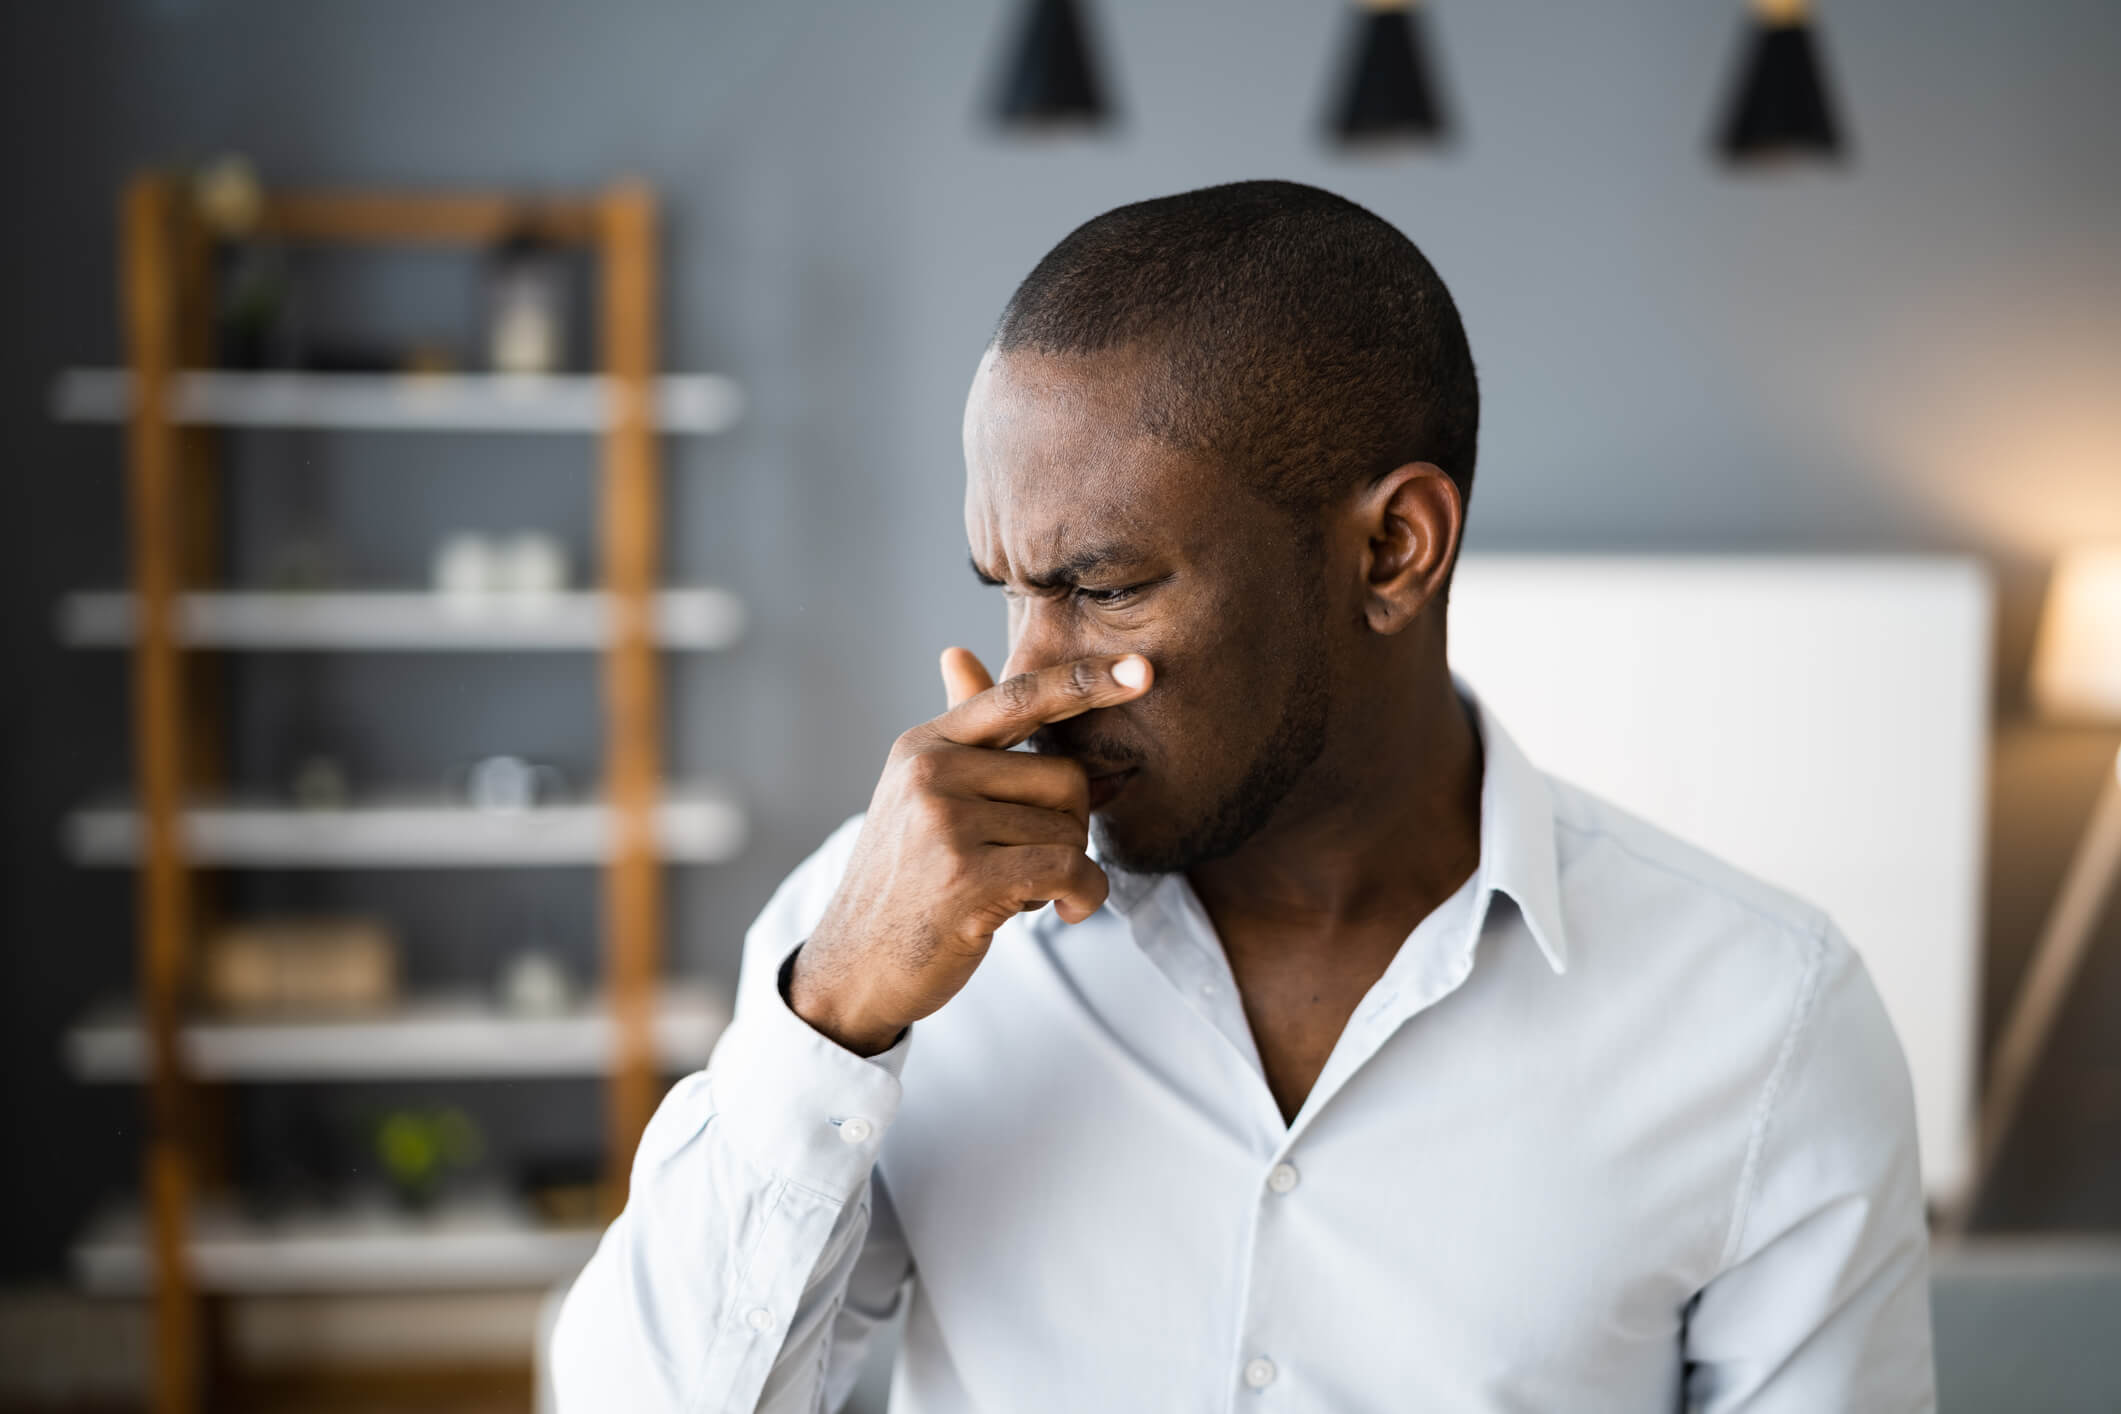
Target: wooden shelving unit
[{"x": 189, "y": 1239}]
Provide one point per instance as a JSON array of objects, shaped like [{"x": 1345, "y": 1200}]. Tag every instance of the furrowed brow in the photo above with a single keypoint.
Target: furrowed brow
[{"x": 1070, "y": 572}]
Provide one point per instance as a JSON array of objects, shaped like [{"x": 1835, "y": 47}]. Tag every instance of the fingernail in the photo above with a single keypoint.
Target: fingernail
[{"x": 1131, "y": 671}]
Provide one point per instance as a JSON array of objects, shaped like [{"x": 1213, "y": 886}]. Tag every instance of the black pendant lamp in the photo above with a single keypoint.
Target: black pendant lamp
[
  {"x": 1051, "y": 81},
  {"x": 1780, "y": 110},
  {"x": 1388, "y": 91}
]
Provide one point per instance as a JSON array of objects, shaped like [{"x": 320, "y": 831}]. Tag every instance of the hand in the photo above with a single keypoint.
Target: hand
[{"x": 962, "y": 835}]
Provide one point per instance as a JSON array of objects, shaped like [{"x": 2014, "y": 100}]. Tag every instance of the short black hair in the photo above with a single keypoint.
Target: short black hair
[{"x": 1305, "y": 340}]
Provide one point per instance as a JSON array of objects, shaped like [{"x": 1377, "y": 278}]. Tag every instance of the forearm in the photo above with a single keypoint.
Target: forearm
[{"x": 748, "y": 1215}]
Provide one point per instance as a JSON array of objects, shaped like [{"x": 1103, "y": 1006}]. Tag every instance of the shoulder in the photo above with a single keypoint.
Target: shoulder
[
  {"x": 1730, "y": 962},
  {"x": 1606, "y": 854},
  {"x": 1744, "y": 970}
]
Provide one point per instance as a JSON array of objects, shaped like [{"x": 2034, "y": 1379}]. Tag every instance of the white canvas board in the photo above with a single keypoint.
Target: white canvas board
[{"x": 1822, "y": 723}]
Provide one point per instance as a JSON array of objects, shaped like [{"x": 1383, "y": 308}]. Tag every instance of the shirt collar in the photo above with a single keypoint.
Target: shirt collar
[{"x": 1517, "y": 852}]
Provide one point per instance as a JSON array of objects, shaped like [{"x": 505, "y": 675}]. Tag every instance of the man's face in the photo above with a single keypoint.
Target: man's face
[{"x": 1106, "y": 540}]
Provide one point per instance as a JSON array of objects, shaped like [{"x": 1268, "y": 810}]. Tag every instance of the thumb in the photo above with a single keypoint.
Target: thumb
[{"x": 963, "y": 675}]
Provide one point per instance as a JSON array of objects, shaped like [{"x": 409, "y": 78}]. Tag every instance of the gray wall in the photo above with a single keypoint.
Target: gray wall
[{"x": 1919, "y": 354}]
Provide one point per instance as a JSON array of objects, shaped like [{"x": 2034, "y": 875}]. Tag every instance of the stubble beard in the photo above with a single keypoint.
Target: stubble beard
[{"x": 1290, "y": 750}]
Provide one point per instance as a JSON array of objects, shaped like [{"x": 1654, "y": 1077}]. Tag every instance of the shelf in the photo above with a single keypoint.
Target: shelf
[
  {"x": 466, "y": 402},
  {"x": 693, "y": 619},
  {"x": 427, "y": 1038},
  {"x": 695, "y": 824},
  {"x": 484, "y": 1244}
]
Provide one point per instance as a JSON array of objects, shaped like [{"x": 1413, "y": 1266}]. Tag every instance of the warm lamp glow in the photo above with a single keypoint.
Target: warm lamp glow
[{"x": 2077, "y": 660}]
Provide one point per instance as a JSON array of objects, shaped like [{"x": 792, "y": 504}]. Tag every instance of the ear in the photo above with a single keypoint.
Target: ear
[{"x": 1410, "y": 520}]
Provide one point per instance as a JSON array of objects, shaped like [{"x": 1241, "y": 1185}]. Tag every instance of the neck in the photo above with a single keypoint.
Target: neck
[{"x": 1385, "y": 826}]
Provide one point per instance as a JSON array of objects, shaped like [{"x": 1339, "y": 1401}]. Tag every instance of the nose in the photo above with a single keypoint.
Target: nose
[{"x": 1040, "y": 635}]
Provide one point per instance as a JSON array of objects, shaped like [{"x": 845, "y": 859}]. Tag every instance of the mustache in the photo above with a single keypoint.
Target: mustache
[{"x": 1103, "y": 752}]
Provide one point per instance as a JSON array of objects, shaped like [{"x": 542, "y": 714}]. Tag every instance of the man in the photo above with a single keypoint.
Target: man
[{"x": 1272, "y": 1035}]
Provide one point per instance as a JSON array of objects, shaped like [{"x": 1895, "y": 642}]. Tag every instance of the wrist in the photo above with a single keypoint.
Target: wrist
[{"x": 827, "y": 1010}]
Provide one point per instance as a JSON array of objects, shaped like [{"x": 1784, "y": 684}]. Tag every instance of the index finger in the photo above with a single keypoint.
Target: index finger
[{"x": 1015, "y": 707}]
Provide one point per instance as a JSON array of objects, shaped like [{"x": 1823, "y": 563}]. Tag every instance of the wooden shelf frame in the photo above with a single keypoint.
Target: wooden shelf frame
[{"x": 166, "y": 289}]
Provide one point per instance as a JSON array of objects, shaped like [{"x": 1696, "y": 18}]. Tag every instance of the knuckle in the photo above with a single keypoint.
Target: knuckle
[
  {"x": 1018, "y": 694},
  {"x": 1083, "y": 680},
  {"x": 923, "y": 769}
]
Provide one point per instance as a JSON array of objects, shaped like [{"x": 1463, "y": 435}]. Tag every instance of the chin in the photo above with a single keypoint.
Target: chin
[{"x": 1124, "y": 842}]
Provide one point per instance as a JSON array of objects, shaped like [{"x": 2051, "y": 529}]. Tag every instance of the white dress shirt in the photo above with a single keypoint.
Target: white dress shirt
[{"x": 1619, "y": 1129}]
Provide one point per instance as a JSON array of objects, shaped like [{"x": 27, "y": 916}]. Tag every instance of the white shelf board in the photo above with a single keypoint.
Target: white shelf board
[
  {"x": 469, "y": 402},
  {"x": 698, "y": 619},
  {"x": 484, "y": 1244},
  {"x": 463, "y": 1037},
  {"x": 695, "y": 824}
]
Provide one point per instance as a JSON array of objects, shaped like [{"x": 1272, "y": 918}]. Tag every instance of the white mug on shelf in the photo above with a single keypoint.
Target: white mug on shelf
[
  {"x": 511, "y": 785},
  {"x": 464, "y": 566},
  {"x": 530, "y": 562}
]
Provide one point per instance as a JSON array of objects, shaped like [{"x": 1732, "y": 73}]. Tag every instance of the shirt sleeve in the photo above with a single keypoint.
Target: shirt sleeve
[
  {"x": 1822, "y": 1301},
  {"x": 753, "y": 1259}
]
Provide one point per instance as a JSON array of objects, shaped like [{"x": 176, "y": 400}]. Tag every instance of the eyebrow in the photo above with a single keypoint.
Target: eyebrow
[{"x": 1069, "y": 572}]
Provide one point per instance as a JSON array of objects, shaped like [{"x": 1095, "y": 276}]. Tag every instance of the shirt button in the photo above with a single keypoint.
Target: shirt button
[
  {"x": 1283, "y": 1178},
  {"x": 1207, "y": 989},
  {"x": 759, "y": 1318},
  {"x": 1259, "y": 1372},
  {"x": 855, "y": 1130}
]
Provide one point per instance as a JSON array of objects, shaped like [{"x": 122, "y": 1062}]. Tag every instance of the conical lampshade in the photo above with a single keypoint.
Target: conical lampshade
[
  {"x": 1051, "y": 79},
  {"x": 1388, "y": 93},
  {"x": 1780, "y": 108}
]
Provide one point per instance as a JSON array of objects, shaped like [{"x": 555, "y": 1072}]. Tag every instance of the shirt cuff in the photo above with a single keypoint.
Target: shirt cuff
[{"x": 800, "y": 1105}]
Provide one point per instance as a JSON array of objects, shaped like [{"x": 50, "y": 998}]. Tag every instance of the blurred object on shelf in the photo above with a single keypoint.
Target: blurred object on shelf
[
  {"x": 229, "y": 197},
  {"x": 420, "y": 1148},
  {"x": 531, "y": 562},
  {"x": 430, "y": 360},
  {"x": 252, "y": 328},
  {"x": 527, "y": 307},
  {"x": 2077, "y": 660},
  {"x": 354, "y": 356},
  {"x": 463, "y": 566},
  {"x": 350, "y": 356},
  {"x": 2076, "y": 677},
  {"x": 510, "y": 785},
  {"x": 251, "y": 322},
  {"x": 299, "y": 964},
  {"x": 302, "y": 563},
  {"x": 534, "y": 982},
  {"x": 564, "y": 1190},
  {"x": 320, "y": 783},
  {"x": 473, "y": 564}
]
